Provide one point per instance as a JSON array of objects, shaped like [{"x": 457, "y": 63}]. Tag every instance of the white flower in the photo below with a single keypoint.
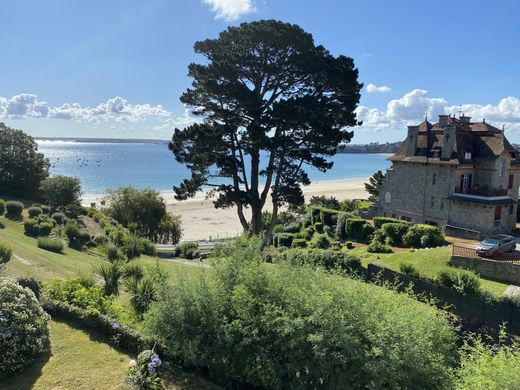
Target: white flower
[{"x": 132, "y": 363}]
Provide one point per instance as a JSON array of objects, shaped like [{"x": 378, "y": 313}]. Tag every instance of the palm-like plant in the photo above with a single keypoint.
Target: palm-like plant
[
  {"x": 111, "y": 274},
  {"x": 142, "y": 293}
]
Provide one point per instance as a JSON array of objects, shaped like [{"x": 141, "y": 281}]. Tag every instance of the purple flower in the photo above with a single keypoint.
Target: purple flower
[
  {"x": 151, "y": 368},
  {"x": 156, "y": 360}
]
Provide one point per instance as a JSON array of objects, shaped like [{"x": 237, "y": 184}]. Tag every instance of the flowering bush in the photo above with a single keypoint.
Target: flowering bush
[
  {"x": 24, "y": 332},
  {"x": 142, "y": 373}
]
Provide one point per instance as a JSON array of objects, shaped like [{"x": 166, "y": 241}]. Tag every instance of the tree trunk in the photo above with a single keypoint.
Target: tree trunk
[
  {"x": 241, "y": 217},
  {"x": 256, "y": 219}
]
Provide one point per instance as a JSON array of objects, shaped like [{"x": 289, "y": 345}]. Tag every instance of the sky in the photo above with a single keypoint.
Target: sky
[{"x": 116, "y": 68}]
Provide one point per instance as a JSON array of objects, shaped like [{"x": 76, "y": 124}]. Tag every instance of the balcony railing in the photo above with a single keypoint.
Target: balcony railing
[{"x": 488, "y": 192}]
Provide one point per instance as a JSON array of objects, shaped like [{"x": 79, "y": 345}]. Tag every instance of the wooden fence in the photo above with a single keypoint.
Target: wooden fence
[{"x": 474, "y": 308}]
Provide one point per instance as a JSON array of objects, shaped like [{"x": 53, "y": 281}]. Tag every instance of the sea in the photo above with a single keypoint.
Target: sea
[{"x": 102, "y": 165}]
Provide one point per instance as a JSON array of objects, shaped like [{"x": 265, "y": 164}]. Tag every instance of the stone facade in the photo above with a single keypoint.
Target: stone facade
[
  {"x": 490, "y": 269},
  {"x": 455, "y": 173}
]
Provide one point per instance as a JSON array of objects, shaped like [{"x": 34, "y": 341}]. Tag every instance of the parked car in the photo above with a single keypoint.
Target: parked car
[{"x": 497, "y": 244}]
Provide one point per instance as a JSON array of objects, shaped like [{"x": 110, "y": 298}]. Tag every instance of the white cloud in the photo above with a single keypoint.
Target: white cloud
[
  {"x": 230, "y": 9},
  {"x": 372, "y": 88},
  {"x": 117, "y": 109},
  {"x": 412, "y": 107}
]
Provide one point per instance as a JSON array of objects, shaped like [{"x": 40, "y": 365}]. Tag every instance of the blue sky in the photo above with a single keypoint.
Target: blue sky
[{"x": 117, "y": 68}]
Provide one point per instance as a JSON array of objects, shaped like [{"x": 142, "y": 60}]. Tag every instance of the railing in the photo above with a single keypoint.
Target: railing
[
  {"x": 481, "y": 191},
  {"x": 465, "y": 250}
]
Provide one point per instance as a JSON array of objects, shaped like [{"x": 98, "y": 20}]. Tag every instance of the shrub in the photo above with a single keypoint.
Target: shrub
[
  {"x": 100, "y": 240},
  {"x": 23, "y": 327},
  {"x": 293, "y": 227},
  {"x": 307, "y": 233},
  {"x": 31, "y": 227},
  {"x": 379, "y": 221},
  {"x": 344, "y": 333},
  {"x": 50, "y": 244},
  {"x": 44, "y": 228},
  {"x": 2, "y": 207},
  {"x": 148, "y": 247},
  {"x": 46, "y": 210},
  {"x": 83, "y": 237},
  {"x": 60, "y": 218},
  {"x": 420, "y": 234},
  {"x": 323, "y": 201},
  {"x": 329, "y": 217},
  {"x": 283, "y": 240},
  {"x": 277, "y": 228},
  {"x": 111, "y": 274},
  {"x": 299, "y": 243},
  {"x": 327, "y": 259},
  {"x": 14, "y": 208},
  {"x": 72, "y": 232},
  {"x": 32, "y": 284},
  {"x": 408, "y": 269},
  {"x": 341, "y": 225},
  {"x": 34, "y": 211},
  {"x": 322, "y": 241},
  {"x": 133, "y": 270},
  {"x": 112, "y": 252},
  {"x": 462, "y": 281},
  {"x": 354, "y": 228},
  {"x": 318, "y": 226},
  {"x": 315, "y": 215},
  {"x": 484, "y": 366},
  {"x": 81, "y": 292},
  {"x": 142, "y": 374},
  {"x": 142, "y": 293},
  {"x": 5, "y": 253},
  {"x": 187, "y": 250},
  {"x": 349, "y": 245},
  {"x": 376, "y": 247},
  {"x": 394, "y": 232}
]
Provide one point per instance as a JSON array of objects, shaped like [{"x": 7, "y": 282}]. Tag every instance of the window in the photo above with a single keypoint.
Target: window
[
  {"x": 442, "y": 204},
  {"x": 510, "y": 182},
  {"x": 498, "y": 213},
  {"x": 511, "y": 209},
  {"x": 502, "y": 168},
  {"x": 432, "y": 202},
  {"x": 434, "y": 179},
  {"x": 467, "y": 156}
]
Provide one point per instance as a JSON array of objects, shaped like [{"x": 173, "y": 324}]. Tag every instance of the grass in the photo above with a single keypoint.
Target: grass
[
  {"x": 77, "y": 361},
  {"x": 428, "y": 263}
]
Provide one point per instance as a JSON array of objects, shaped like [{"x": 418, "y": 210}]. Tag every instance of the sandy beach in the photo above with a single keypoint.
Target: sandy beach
[{"x": 200, "y": 219}]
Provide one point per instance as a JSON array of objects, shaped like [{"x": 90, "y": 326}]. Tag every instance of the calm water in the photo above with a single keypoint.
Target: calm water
[{"x": 109, "y": 165}]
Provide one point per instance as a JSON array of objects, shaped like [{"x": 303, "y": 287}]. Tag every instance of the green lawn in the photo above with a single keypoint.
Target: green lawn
[
  {"x": 428, "y": 262},
  {"x": 29, "y": 260}
]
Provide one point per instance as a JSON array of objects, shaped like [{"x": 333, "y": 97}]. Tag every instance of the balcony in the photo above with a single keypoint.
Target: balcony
[{"x": 482, "y": 191}]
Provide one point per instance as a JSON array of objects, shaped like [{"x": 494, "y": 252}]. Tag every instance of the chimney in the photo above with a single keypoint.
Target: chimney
[
  {"x": 465, "y": 119},
  {"x": 413, "y": 134},
  {"x": 443, "y": 120},
  {"x": 448, "y": 141}
]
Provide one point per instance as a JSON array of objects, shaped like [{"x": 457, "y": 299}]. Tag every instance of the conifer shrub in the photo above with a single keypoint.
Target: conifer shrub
[
  {"x": 14, "y": 208},
  {"x": 34, "y": 211},
  {"x": 318, "y": 227},
  {"x": 235, "y": 322},
  {"x": 60, "y": 218},
  {"x": 31, "y": 227},
  {"x": 5, "y": 252},
  {"x": 50, "y": 244},
  {"x": 23, "y": 327},
  {"x": 299, "y": 243},
  {"x": 341, "y": 225},
  {"x": 44, "y": 228},
  {"x": 46, "y": 210}
]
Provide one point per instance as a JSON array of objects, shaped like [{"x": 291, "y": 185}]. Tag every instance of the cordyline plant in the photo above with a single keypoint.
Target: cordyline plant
[{"x": 271, "y": 103}]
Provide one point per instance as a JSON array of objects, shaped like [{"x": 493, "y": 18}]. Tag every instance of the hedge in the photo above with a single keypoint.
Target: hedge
[
  {"x": 34, "y": 211},
  {"x": 283, "y": 240},
  {"x": 299, "y": 243},
  {"x": 324, "y": 258},
  {"x": 423, "y": 236},
  {"x": 14, "y": 208},
  {"x": 50, "y": 244},
  {"x": 5, "y": 253},
  {"x": 318, "y": 226},
  {"x": 358, "y": 228},
  {"x": 394, "y": 232},
  {"x": 379, "y": 221}
]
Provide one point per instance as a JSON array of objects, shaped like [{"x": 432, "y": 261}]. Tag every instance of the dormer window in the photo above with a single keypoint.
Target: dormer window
[
  {"x": 467, "y": 156},
  {"x": 502, "y": 168}
]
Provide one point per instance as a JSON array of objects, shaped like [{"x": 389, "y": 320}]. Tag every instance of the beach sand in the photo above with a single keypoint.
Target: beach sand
[{"x": 202, "y": 221}]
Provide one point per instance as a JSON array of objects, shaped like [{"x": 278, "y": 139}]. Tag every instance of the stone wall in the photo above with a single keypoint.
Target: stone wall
[{"x": 490, "y": 269}]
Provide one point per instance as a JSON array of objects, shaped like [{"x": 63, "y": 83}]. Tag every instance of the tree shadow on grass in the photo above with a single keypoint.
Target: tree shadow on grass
[
  {"x": 14, "y": 218},
  {"x": 25, "y": 379}
]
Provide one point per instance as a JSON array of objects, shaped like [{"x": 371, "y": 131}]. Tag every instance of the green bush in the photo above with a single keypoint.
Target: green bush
[
  {"x": 142, "y": 292},
  {"x": 112, "y": 252},
  {"x": 33, "y": 284},
  {"x": 484, "y": 366},
  {"x": 100, "y": 240},
  {"x": 423, "y": 236},
  {"x": 235, "y": 322},
  {"x": 283, "y": 240},
  {"x": 44, "y": 228},
  {"x": 34, "y": 211},
  {"x": 329, "y": 217},
  {"x": 31, "y": 227},
  {"x": 322, "y": 241},
  {"x": 318, "y": 227},
  {"x": 341, "y": 225},
  {"x": 379, "y": 221},
  {"x": 307, "y": 233},
  {"x": 349, "y": 245},
  {"x": 293, "y": 227},
  {"x": 81, "y": 292},
  {"x": 133, "y": 270},
  {"x": 23, "y": 327},
  {"x": 376, "y": 247},
  {"x": 315, "y": 215},
  {"x": 14, "y": 208},
  {"x": 5, "y": 253},
  {"x": 354, "y": 227},
  {"x": 408, "y": 269},
  {"x": 277, "y": 228},
  {"x": 46, "y": 210},
  {"x": 462, "y": 281},
  {"x": 326, "y": 259},
  {"x": 60, "y": 218},
  {"x": 187, "y": 250},
  {"x": 83, "y": 237},
  {"x": 299, "y": 243},
  {"x": 50, "y": 244},
  {"x": 394, "y": 232},
  {"x": 72, "y": 232},
  {"x": 2, "y": 207}
]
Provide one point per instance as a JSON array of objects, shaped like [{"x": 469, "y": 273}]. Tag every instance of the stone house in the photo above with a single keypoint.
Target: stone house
[{"x": 455, "y": 173}]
